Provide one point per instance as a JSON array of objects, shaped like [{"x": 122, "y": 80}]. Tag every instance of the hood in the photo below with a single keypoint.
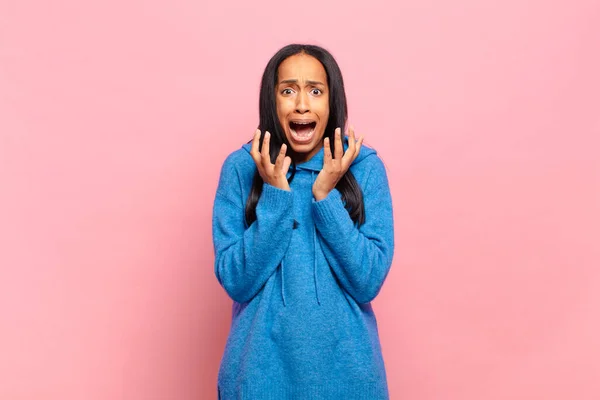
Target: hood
[{"x": 314, "y": 165}]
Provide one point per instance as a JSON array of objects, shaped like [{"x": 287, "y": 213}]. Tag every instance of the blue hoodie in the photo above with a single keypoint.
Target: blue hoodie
[{"x": 301, "y": 278}]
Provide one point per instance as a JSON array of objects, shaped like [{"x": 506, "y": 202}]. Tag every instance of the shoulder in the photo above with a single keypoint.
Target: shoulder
[
  {"x": 239, "y": 158},
  {"x": 368, "y": 168},
  {"x": 237, "y": 173},
  {"x": 238, "y": 163}
]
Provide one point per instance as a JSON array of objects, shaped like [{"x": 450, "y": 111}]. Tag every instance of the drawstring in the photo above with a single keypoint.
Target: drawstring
[
  {"x": 282, "y": 285},
  {"x": 316, "y": 279},
  {"x": 312, "y": 175},
  {"x": 315, "y": 266}
]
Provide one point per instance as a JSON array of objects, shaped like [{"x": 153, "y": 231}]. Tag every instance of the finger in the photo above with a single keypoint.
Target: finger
[
  {"x": 351, "y": 139},
  {"x": 327, "y": 151},
  {"x": 350, "y": 151},
  {"x": 286, "y": 164},
  {"x": 338, "y": 147},
  {"x": 280, "y": 157},
  {"x": 358, "y": 146},
  {"x": 255, "y": 145},
  {"x": 266, "y": 158}
]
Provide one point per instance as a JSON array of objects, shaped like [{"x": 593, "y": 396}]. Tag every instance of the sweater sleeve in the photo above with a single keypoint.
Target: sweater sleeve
[
  {"x": 360, "y": 256},
  {"x": 245, "y": 257}
]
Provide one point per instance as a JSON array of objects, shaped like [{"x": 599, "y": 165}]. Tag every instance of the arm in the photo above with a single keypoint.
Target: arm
[
  {"x": 246, "y": 257},
  {"x": 360, "y": 256}
]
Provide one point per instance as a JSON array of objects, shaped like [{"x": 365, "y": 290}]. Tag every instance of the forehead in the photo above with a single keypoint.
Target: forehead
[{"x": 302, "y": 67}]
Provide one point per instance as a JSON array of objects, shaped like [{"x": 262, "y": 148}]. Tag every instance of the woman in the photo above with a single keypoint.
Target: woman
[{"x": 303, "y": 239}]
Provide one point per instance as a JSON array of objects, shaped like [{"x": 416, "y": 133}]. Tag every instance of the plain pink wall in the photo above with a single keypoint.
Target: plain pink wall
[{"x": 115, "y": 117}]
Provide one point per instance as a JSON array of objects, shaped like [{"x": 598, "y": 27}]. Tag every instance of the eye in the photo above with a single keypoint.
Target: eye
[
  {"x": 316, "y": 92},
  {"x": 287, "y": 91}
]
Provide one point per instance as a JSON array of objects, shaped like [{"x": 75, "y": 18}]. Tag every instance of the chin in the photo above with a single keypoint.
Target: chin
[{"x": 304, "y": 149}]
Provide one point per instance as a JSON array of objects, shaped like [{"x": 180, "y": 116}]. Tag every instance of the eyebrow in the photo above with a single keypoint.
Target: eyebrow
[{"x": 296, "y": 81}]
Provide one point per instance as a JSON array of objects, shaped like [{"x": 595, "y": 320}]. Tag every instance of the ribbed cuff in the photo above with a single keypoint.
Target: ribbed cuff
[
  {"x": 272, "y": 197},
  {"x": 330, "y": 209}
]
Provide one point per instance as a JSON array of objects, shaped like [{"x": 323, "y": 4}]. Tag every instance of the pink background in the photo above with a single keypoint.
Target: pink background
[{"x": 115, "y": 117}]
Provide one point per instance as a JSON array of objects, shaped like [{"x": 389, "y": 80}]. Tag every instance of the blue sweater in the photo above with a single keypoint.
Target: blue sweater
[{"x": 302, "y": 323}]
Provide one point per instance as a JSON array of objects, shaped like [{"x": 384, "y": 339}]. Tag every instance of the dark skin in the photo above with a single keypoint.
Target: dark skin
[
  {"x": 334, "y": 165},
  {"x": 303, "y": 94}
]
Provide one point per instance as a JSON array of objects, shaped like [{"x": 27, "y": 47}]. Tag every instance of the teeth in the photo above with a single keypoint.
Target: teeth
[{"x": 305, "y": 135}]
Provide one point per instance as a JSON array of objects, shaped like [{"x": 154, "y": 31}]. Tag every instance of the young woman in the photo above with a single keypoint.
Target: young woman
[{"x": 303, "y": 240}]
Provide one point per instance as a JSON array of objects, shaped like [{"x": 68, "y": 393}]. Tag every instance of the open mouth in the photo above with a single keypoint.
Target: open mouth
[{"x": 302, "y": 131}]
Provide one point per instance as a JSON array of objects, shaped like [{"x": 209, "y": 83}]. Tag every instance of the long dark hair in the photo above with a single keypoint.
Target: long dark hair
[{"x": 338, "y": 114}]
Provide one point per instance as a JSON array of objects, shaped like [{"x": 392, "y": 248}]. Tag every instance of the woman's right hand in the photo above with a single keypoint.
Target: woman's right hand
[{"x": 273, "y": 174}]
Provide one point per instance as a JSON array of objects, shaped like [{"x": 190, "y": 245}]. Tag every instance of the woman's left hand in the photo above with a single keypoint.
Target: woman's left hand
[{"x": 335, "y": 167}]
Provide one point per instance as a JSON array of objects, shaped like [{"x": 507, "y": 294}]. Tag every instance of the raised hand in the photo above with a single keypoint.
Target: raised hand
[
  {"x": 273, "y": 174},
  {"x": 335, "y": 167}
]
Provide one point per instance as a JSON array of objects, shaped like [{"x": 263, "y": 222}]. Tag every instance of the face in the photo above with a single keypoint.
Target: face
[{"x": 302, "y": 98}]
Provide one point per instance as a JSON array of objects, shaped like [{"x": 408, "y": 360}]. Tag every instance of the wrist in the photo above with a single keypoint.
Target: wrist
[
  {"x": 281, "y": 185},
  {"x": 320, "y": 194}
]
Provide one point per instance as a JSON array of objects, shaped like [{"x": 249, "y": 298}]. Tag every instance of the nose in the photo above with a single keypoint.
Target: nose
[{"x": 302, "y": 103}]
